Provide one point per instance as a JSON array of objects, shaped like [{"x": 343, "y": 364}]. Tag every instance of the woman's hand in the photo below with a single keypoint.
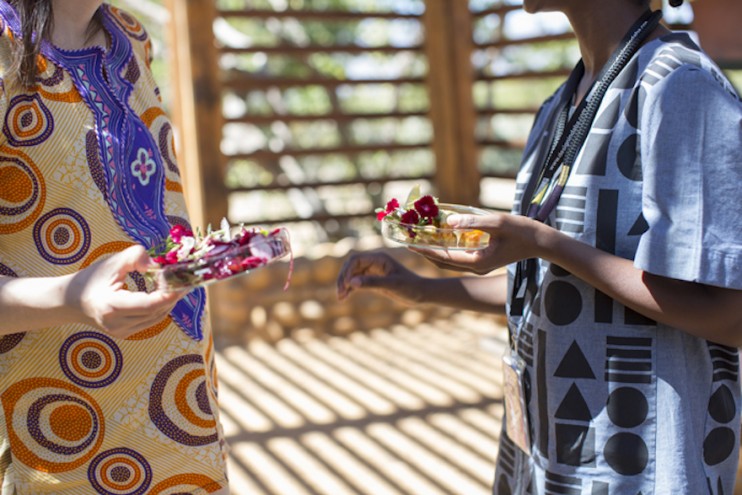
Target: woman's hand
[
  {"x": 98, "y": 294},
  {"x": 380, "y": 272},
  {"x": 512, "y": 238}
]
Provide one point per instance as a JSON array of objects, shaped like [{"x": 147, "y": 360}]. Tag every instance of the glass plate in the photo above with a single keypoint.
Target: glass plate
[
  {"x": 231, "y": 262},
  {"x": 430, "y": 237}
]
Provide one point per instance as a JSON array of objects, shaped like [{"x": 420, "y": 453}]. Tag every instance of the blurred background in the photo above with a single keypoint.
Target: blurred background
[{"x": 310, "y": 114}]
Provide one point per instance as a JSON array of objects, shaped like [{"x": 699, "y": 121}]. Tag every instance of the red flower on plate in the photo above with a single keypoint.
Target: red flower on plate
[
  {"x": 410, "y": 217},
  {"x": 177, "y": 232},
  {"x": 426, "y": 207},
  {"x": 392, "y": 205}
]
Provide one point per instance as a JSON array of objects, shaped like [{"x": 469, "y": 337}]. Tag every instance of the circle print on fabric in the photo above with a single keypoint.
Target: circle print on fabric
[
  {"x": 120, "y": 471},
  {"x": 185, "y": 483},
  {"x": 563, "y": 302},
  {"x": 28, "y": 121},
  {"x": 626, "y": 453},
  {"x": 91, "y": 359},
  {"x": 718, "y": 445},
  {"x": 62, "y": 236},
  {"x": 627, "y": 407},
  {"x": 9, "y": 341},
  {"x": 53, "y": 426},
  {"x": 128, "y": 23},
  {"x": 179, "y": 402},
  {"x": 23, "y": 193}
]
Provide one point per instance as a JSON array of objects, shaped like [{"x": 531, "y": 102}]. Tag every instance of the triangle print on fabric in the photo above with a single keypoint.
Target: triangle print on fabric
[{"x": 574, "y": 364}]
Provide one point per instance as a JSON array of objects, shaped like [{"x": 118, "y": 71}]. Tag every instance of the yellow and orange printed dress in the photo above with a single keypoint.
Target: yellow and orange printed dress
[{"x": 87, "y": 168}]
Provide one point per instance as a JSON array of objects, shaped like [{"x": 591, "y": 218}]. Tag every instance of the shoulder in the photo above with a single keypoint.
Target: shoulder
[
  {"x": 130, "y": 27},
  {"x": 678, "y": 65}
]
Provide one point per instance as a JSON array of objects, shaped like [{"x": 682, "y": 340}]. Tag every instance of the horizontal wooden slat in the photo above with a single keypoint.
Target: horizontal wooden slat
[
  {"x": 314, "y": 15},
  {"x": 490, "y": 112},
  {"x": 502, "y": 143},
  {"x": 320, "y": 217},
  {"x": 315, "y": 185},
  {"x": 250, "y": 82},
  {"x": 335, "y": 116},
  {"x": 308, "y": 50},
  {"x": 502, "y": 10},
  {"x": 525, "y": 41},
  {"x": 499, "y": 175},
  {"x": 342, "y": 150},
  {"x": 524, "y": 75}
]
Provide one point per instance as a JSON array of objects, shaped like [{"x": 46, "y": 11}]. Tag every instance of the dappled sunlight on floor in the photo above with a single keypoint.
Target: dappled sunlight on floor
[{"x": 403, "y": 410}]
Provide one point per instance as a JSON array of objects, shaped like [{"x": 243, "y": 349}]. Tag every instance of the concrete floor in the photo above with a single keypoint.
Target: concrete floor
[{"x": 406, "y": 410}]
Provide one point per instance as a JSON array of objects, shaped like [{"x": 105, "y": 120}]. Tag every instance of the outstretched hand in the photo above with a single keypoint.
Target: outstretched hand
[
  {"x": 98, "y": 293},
  {"x": 512, "y": 238},
  {"x": 380, "y": 272}
]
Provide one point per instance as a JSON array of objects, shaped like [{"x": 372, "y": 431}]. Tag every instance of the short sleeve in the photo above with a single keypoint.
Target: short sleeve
[{"x": 691, "y": 152}]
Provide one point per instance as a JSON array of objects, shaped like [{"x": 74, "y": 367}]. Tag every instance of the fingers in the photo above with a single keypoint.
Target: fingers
[
  {"x": 124, "y": 327},
  {"x": 142, "y": 303},
  {"x": 490, "y": 221},
  {"x": 360, "y": 264}
]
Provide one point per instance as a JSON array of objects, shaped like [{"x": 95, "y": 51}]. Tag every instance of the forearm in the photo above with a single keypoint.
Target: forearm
[
  {"x": 708, "y": 312},
  {"x": 33, "y": 303},
  {"x": 483, "y": 294}
]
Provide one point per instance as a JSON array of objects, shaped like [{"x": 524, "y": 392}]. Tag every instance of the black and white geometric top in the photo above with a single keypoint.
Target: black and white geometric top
[{"x": 617, "y": 403}]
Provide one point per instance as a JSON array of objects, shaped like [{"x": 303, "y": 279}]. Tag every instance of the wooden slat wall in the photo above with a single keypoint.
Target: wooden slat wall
[{"x": 477, "y": 135}]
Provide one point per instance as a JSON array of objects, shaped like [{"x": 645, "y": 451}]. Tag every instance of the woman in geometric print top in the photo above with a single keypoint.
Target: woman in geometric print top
[
  {"x": 626, "y": 319},
  {"x": 106, "y": 385}
]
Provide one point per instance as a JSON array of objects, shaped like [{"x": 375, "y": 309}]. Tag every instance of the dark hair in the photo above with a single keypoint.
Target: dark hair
[
  {"x": 37, "y": 21},
  {"x": 36, "y": 25}
]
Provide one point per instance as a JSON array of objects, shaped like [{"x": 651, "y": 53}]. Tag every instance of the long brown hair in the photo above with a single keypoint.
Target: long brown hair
[{"x": 37, "y": 21}]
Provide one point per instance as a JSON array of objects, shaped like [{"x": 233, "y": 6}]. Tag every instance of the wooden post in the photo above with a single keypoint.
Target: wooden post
[
  {"x": 448, "y": 46},
  {"x": 197, "y": 109}
]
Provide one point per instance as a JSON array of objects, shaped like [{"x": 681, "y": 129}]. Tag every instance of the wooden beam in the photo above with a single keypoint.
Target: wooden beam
[
  {"x": 248, "y": 82},
  {"x": 313, "y": 15},
  {"x": 340, "y": 183},
  {"x": 311, "y": 49},
  {"x": 449, "y": 45},
  {"x": 198, "y": 100}
]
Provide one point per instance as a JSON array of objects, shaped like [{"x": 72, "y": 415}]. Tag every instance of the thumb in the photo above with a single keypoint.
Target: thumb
[
  {"x": 461, "y": 221},
  {"x": 133, "y": 258}
]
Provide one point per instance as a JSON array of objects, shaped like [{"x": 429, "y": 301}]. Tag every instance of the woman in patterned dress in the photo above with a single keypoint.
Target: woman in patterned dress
[
  {"x": 626, "y": 330},
  {"x": 106, "y": 385}
]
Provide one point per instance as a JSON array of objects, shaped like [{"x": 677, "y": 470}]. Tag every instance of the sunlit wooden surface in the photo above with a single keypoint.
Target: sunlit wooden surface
[{"x": 400, "y": 410}]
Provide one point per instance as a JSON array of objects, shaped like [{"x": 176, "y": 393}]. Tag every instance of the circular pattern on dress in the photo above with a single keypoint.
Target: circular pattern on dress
[
  {"x": 128, "y": 23},
  {"x": 178, "y": 405},
  {"x": 23, "y": 194},
  {"x": 53, "y": 425},
  {"x": 62, "y": 236},
  {"x": 28, "y": 121},
  {"x": 166, "y": 144},
  {"x": 120, "y": 471},
  {"x": 627, "y": 407},
  {"x": 91, "y": 359},
  {"x": 9, "y": 341},
  {"x": 626, "y": 453},
  {"x": 562, "y": 302},
  {"x": 185, "y": 484}
]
